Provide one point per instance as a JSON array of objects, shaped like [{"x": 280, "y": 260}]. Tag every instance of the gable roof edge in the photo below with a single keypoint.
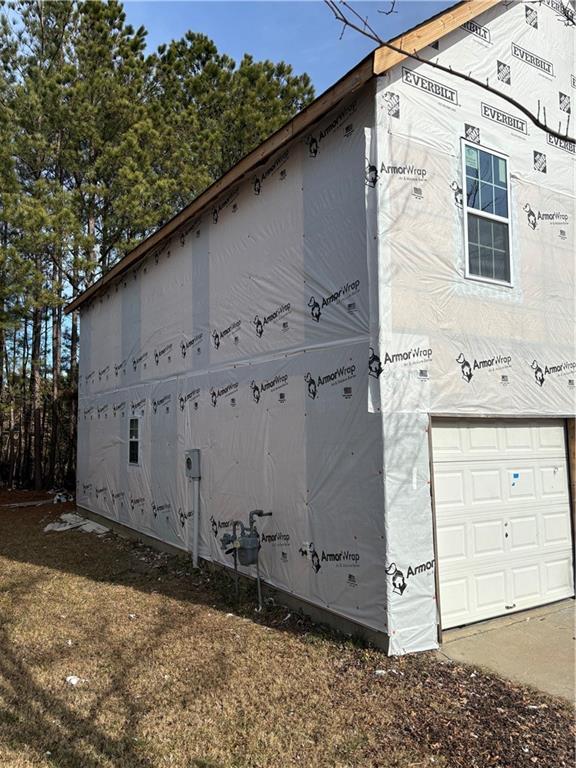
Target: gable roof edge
[
  {"x": 429, "y": 32},
  {"x": 376, "y": 63}
]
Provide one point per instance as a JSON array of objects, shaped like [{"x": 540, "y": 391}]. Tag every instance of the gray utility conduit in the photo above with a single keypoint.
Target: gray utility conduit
[{"x": 193, "y": 474}]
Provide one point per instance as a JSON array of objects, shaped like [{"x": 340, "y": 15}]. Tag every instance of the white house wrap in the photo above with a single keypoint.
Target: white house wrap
[{"x": 307, "y": 328}]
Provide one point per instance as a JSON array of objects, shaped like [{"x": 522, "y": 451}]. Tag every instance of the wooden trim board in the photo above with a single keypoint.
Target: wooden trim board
[{"x": 429, "y": 32}]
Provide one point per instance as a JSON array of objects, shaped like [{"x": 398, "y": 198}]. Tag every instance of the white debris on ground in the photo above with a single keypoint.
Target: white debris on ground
[
  {"x": 62, "y": 497},
  {"x": 153, "y": 558},
  {"x": 69, "y": 521},
  {"x": 74, "y": 680}
]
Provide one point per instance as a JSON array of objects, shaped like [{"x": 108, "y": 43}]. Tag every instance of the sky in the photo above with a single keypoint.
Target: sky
[{"x": 303, "y": 34}]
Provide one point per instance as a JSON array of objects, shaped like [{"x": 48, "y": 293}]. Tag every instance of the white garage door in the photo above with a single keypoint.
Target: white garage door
[{"x": 502, "y": 515}]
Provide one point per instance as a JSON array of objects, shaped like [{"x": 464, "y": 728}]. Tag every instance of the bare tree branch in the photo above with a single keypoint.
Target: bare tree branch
[
  {"x": 392, "y": 9},
  {"x": 566, "y": 14},
  {"x": 369, "y": 32}
]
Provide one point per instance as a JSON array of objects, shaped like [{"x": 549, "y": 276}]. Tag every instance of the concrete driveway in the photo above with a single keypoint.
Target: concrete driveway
[{"x": 535, "y": 647}]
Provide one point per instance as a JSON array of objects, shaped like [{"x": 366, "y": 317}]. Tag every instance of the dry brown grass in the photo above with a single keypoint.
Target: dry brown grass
[{"x": 193, "y": 682}]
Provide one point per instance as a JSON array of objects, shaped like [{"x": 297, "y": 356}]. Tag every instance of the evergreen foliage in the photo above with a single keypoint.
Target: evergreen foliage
[{"x": 100, "y": 143}]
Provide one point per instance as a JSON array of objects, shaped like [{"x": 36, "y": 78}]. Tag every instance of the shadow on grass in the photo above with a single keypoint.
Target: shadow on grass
[
  {"x": 34, "y": 717},
  {"x": 420, "y": 708},
  {"x": 31, "y": 716},
  {"x": 117, "y": 560}
]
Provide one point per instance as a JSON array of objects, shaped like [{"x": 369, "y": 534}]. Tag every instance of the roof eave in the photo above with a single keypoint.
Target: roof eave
[
  {"x": 349, "y": 84},
  {"x": 376, "y": 63}
]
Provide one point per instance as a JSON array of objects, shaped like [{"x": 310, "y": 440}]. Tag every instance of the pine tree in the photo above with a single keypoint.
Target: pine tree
[{"x": 99, "y": 145}]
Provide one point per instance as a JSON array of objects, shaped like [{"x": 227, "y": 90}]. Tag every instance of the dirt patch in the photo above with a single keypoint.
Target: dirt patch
[{"x": 172, "y": 673}]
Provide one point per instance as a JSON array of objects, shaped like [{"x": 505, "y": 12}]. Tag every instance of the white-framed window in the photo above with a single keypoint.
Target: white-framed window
[
  {"x": 486, "y": 206},
  {"x": 134, "y": 441}
]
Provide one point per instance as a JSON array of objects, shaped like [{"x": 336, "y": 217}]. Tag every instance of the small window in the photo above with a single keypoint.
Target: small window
[
  {"x": 487, "y": 215},
  {"x": 134, "y": 442}
]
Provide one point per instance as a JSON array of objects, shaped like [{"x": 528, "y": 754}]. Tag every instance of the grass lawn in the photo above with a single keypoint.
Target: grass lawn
[{"x": 172, "y": 673}]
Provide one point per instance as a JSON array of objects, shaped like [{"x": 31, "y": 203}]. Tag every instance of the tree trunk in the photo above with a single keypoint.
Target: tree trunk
[
  {"x": 73, "y": 384},
  {"x": 35, "y": 396},
  {"x": 11, "y": 449},
  {"x": 24, "y": 453},
  {"x": 54, "y": 470},
  {"x": 15, "y": 415}
]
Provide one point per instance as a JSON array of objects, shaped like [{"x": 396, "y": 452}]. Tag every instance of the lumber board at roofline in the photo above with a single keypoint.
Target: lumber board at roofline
[
  {"x": 428, "y": 32},
  {"x": 349, "y": 84}
]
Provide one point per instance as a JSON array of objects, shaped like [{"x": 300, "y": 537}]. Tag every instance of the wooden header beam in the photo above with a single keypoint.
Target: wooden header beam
[{"x": 428, "y": 32}]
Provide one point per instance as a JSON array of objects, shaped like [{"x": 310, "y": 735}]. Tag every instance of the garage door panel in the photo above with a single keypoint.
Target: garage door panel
[
  {"x": 556, "y": 528},
  {"x": 490, "y": 590},
  {"x": 559, "y": 575},
  {"x": 550, "y": 438},
  {"x": 485, "y": 486},
  {"x": 526, "y": 583},
  {"x": 455, "y": 595},
  {"x": 521, "y": 482},
  {"x": 483, "y": 440},
  {"x": 553, "y": 481},
  {"x": 491, "y": 438},
  {"x": 487, "y": 538},
  {"x": 504, "y": 481},
  {"x": 448, "y": 442},
  {"x": 523, "y": 533},
  {"x": 449, "y": 487},
  {"x": 452, "y": 542},
  {"x": 503, "y": 520},
  {"x": 517, "y": 439}
]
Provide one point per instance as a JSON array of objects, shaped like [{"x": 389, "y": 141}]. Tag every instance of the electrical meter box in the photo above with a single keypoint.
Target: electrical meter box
[{"x": 192, "y": 463}]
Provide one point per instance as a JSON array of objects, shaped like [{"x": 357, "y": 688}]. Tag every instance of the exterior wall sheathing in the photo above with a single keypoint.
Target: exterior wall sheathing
[
  {"x": 248, "y": 339},
  {"x": 302, "y": 331},
  {"x": 431, "y": 317}
]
